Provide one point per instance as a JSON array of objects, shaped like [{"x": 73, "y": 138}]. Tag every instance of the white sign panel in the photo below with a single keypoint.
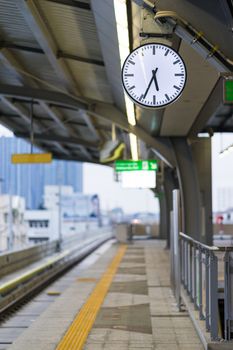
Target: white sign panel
[{"x": 138, "y": 179}]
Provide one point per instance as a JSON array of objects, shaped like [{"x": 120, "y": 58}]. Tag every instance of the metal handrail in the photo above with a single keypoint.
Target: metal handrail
[
  {"x": 199, "y": 244},
  {"x": 204, "y": 246},
  {"x": 199, "y": 266}
]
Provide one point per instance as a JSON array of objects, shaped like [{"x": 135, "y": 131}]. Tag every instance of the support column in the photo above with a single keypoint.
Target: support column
[
  {"x": 189, "y": 188},
  {"x": 201, "y": 150},
  {"x": 163, "y": 223},
  {"x": 170, "y": 183}
]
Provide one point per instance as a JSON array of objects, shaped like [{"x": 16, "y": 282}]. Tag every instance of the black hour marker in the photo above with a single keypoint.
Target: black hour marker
[
  {"x": 176, "y": 87},
  {"x": 166, "y": 53},
  {"x": 167, "y": 97},
  {"x": 141, "y": 97},
  {"x": 153, "y": 50},
  {"x": 129, "y": 75},
  {"x": 132, "y": 87},
  {"x": 154, "y": 99},
  {"x": 177, "y": 61},
  {"x": 179, "y": 74},
  {"x": 132, "y": 62}
]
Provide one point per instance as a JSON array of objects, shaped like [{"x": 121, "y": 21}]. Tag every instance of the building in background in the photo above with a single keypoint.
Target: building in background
[
  {"x": 29, "y": 180},
  {"x": 12, "y": 224},
  {"x": 65, "y": 213},
  {"x": 224, "y": 198}
]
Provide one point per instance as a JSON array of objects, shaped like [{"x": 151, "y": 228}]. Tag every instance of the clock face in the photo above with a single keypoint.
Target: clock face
[{"x": 154, "y": 75}]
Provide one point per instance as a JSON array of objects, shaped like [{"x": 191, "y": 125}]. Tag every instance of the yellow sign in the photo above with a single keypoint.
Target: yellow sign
[{"x": 23, "y": 158}]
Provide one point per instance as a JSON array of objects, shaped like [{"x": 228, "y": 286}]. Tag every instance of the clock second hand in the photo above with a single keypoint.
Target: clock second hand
[{"x": 155, "y": 80}]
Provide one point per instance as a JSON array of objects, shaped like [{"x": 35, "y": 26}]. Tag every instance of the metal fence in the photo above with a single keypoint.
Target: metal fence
[{"x": 206, "y": 273}]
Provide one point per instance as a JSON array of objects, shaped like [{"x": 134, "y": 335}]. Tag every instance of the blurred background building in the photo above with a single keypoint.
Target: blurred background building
[{"x": 28, "y": 180}]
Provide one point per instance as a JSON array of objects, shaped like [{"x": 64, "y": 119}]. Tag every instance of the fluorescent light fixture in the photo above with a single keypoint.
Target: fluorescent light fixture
[
  {"x": 138, "y": 179},
  {"x": 133, "y": 146},
  {"x": 123, "y": 41},
  {"x": 203, "y": 134},
  {"x": 130, "y": 111}
]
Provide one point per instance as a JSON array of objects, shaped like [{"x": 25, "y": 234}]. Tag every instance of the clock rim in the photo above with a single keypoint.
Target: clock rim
[{"x": 153, "y": 106}]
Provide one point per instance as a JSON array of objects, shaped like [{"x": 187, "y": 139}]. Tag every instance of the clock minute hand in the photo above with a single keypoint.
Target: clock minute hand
[
  {"x": 155, "y": 79},
  {"x": 148, "y": 87}
]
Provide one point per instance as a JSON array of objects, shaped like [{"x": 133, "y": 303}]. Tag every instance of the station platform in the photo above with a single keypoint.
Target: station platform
[{"x": 120, "y": 300}]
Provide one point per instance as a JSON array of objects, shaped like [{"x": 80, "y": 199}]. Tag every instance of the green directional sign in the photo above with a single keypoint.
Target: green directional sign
[
  {"x": 135, "y": 165},
  {"x": 228, "y": 91}
]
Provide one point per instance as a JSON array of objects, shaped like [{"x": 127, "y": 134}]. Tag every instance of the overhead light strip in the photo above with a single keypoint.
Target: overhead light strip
[{"x": 120, "y": 9}]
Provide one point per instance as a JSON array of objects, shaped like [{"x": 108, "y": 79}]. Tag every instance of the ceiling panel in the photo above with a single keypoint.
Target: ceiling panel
[
  {"x": 77, "y": 35},
  {"x": 179, "y": 116}
]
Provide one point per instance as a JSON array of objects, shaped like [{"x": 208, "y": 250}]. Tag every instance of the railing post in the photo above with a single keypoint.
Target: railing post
[
  {"x": 213, "y": 261},
  {"x": 227, "y": 297},
  {"x": 207, "y": 291},
  {"x": 201, "y": 316},
  {"x": 176, "y": 231},
  {"x": 172, "y": 262},
  {"x": 186, "y": 266},
  {"x": 195, "y": 276}
]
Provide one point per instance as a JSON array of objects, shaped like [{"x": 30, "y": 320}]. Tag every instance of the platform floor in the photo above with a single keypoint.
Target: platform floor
[{"x": 138, "y": 311}]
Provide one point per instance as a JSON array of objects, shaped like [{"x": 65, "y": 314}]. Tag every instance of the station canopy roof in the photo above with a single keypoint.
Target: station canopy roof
[{"x": 60, "y": 62}]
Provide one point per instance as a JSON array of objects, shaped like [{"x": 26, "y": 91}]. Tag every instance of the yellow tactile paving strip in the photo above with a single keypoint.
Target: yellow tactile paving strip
[{"x": 76, "y": 335}]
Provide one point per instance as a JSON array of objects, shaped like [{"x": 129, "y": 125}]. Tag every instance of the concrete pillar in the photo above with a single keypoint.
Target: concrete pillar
[
  {"x": 163, "y": 222},
  {"x": 170, "y": 183},
  {"x": 201, "y": 150},
  {"x": 189, "y": 188}
]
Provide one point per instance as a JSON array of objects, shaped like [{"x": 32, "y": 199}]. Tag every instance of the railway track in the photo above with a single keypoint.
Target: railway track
[{"x": 21, "y": 289}]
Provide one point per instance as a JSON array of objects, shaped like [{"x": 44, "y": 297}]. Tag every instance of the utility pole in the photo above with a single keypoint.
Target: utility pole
[
  {"x": 10, "y": 238},
  {"x": 59, "y": 206}
]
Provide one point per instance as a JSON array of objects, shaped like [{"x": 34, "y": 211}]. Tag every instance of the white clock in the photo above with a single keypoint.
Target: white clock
[{"x": 154, "y": 75}]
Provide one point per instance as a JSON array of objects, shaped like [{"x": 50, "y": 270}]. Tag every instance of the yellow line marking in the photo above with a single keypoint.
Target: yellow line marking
[{"x": 77, "y": 334}]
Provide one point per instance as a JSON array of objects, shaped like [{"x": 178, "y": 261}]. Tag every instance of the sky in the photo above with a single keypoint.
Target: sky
[
  {"x": 222, "y": 172},
  {"x": 100, "y": 179}
]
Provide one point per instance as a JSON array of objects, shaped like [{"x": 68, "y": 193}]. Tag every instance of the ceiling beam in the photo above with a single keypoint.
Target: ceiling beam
[
  {"x": 67, "y": 56},
  {"x": 60, "y": 54},
  {"x": 20, "y": 110},
  {"x": 55, "y": 114},
  {"x": 73, "y": 3},
  {"x": 53, "y": 137},
  {"x": 108, "y": 112},
  {"x": 53, "y": 97},
  {"x": 85, "y": 152},
  {"x": 9, "y": 60},
  {"x": 211, "y": 106},
  {"x": 62, "y": 148}
]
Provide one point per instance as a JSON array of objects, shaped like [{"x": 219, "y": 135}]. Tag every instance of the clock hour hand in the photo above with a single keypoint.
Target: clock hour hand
[{"x": 152, "y": 79}]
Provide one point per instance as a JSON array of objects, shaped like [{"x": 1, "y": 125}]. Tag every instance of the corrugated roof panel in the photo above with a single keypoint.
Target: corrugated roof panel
[
  {"x": 7, "y": 76},
  {"x": 92, "y": 80},
  {"x": 13, "y": 27},
  {"x": 84, "y": 131},
  {"x": 77, "y": 35},
  {"x": 39, "y": 66},
  {"x": 4, "y": 109},
  {"x": 71, "y": 115}
]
